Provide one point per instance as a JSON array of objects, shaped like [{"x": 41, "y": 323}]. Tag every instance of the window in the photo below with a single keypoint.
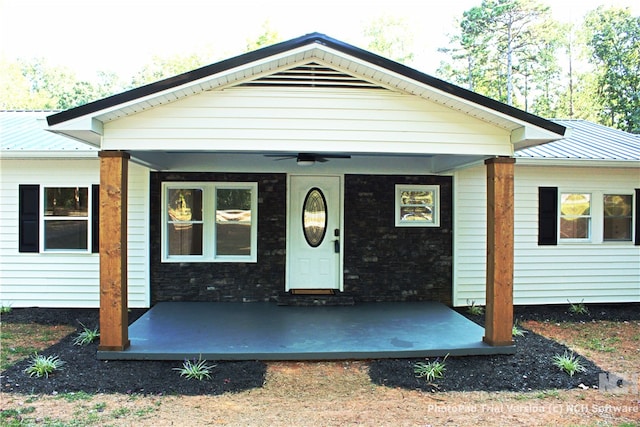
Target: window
[
  {"x": 617, "y": 217},
  {"x": 575, "y": 216},
  {"x": 210, "y": 222},
  {"x": 417, "y": 206},
  {"x": 595, "y": 217},
  {"x": 66, "y": 218}
]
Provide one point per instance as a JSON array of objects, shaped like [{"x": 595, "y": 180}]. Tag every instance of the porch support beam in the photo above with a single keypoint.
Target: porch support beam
[
  {"x": 114, "y": 322},
  {"x": 500, "y": 218}
]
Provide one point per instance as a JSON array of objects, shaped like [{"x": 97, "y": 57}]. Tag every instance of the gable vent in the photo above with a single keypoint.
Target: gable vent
[{"x": 312, "y": 75}]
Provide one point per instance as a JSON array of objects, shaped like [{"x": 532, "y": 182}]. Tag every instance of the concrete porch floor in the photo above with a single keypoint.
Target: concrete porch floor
[{"x": 266, "y": 331}]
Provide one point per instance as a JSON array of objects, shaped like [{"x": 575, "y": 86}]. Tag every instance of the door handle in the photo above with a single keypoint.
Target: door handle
[{"x": 336, "y": 243}]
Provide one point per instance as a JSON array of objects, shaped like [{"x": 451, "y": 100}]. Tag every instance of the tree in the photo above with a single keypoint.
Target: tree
[
  {"x": 500, "y": 41},
  {"x": 268, "y": 37},
  {"x": 391, "y": 38},
  {"x": 162, "y": 67},
  {"x": 35, "y": 84},
  {"x": 613, "y": 40}
]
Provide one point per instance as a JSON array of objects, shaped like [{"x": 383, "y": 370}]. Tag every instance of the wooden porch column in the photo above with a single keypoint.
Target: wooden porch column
[
  {"x": 499, "y": 287},
  {"x": 114, "y": 333}
]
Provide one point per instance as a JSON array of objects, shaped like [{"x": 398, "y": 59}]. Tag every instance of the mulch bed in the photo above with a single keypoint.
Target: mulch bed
[{"x": 529, "y": 369}]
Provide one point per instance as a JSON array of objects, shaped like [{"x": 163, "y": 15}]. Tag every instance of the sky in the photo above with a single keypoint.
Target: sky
[{"x": 123, "y": 35}]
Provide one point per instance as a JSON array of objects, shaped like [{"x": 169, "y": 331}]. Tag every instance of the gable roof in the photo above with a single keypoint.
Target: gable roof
[
  {"x": 85, "y": 122},
  {"x": 587, "y": 141},
  {"x": 22, "y": 134}
]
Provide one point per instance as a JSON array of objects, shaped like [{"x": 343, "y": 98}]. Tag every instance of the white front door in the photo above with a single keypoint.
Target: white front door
[{"x": 314, "y": 233}]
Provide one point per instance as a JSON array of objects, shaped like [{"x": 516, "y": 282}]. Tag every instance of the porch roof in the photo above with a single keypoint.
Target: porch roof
[{"x": 85, "y": 123}]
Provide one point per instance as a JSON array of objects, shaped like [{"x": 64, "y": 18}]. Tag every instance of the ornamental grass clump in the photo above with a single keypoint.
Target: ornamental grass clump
[
  {"x": 430, "y": 370},
  {"x": 86, "y": 336},
  {"x": 578, "y": 308},
  {"x": 42, "y": 366},
  {"x": 568, "y": 363},
  {"x": 192, "y": 369},
  {"x": 475, "y": 310}
]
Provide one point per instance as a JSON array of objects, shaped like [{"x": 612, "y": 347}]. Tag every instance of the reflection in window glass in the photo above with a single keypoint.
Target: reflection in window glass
[
  {"x": 66, "y": 201},
  {"x": 184, "y": 214},
  {"x": 314, "y": 217},
  {"x": 66, "y": 218},
  {"x": 65, "y": 234},
  {"x": 416, "y": 205},
  {"x": 575, "y": 216},
  {"x": 617, "y": 217},
  {"x": 233, "y": 221}
]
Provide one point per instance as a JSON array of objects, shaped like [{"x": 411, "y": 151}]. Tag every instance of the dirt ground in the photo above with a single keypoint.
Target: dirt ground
[{"x": 343, "y": 394}]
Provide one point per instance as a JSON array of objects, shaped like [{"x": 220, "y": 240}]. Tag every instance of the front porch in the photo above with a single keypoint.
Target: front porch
[{"x": 266, "y": 331}]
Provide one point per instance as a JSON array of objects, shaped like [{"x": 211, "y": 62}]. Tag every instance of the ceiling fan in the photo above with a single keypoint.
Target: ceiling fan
[{"x": 307, "y": 159}]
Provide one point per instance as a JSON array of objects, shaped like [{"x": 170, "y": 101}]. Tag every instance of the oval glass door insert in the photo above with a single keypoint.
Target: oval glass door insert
[{"x": 314, "y": 217}]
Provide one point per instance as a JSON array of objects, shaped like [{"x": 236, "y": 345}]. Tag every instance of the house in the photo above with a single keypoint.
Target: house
[{"x": 311, "y": 166}]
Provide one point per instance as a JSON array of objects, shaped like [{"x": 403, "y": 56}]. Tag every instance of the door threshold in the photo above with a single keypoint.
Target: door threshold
[{"x": 312, "y": 291}]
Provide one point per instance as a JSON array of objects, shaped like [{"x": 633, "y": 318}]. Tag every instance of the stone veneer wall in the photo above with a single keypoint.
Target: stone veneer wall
[
  {"x": 224, "y": 281},
  {"x": 388, "y": 263},
  {"x": 382, "y": 262}
]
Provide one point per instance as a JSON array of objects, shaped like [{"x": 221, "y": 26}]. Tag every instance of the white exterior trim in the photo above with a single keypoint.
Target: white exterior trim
[
  {"x": 70, "y": 280},
  {"x": 594, "y": 271}
]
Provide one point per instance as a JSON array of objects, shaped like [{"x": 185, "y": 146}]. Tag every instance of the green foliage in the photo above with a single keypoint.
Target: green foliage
[
  {"x": 35, "y": 84},
  {"x": 192, "y": 369},
  {"x": 390, "y": 37},
  {"x": 578, "y": 308},
  {"x": 42, "y": 366},
  {"x": 5, "y": 309},
  {"x": 568, "y": 363},
  {"x": 516, "y": 331},
  {"x": 86, "y": 336},
  {"x": 268, "y": 37},
  {"x": 15, "y": 417},
  {"x": 475, "y": 310},
  {"x": 430, "y": 370},
  {"x": 75, "y": 396},
  {"x": 613, "y": 39},
  {"x": 505, "y": 45}
]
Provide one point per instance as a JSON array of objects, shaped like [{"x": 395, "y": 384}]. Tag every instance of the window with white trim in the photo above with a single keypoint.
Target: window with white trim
[
  {"x": 417, "y": 205},
  {"x": 209, "y": 221},
  {"x": 618, "y": 217},
  {"x": 66, "y": 216},
  {"x": 575, "y": 216}
]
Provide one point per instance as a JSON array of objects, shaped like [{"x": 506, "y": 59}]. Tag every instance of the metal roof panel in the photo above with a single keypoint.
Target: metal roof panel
[{"x": 588, "y": 141}]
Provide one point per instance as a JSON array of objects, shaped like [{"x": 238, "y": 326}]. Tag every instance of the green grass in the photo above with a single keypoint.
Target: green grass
[
  {"x": 603, "y": 344},
  {"x": 75, "y": 396}
]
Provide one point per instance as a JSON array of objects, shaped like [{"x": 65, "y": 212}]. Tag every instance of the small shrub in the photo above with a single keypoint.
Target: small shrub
[
  {"x": 517, "y": 332},
  {"x": 430, "y": 370},
  {"x": 5, "y": 309},
  {"x": 578, "y": 308},
  {"x": 568, "y": 363},
  {"x": 198, "y": 370},
  {"x": 42, "y": 366},
  {"x": 86, "y": 336},
  {"x": 475, "y": 310}
]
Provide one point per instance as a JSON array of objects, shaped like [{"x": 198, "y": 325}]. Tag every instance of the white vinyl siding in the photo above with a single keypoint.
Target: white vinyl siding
[
  {"x": 69, "y": 280},
  {"x": 299, "y": 120},
  {"x": 592, "y": 271}
]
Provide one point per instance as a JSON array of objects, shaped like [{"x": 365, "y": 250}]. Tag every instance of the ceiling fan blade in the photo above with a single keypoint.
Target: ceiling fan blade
[{"x": 280, "y": 156}]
